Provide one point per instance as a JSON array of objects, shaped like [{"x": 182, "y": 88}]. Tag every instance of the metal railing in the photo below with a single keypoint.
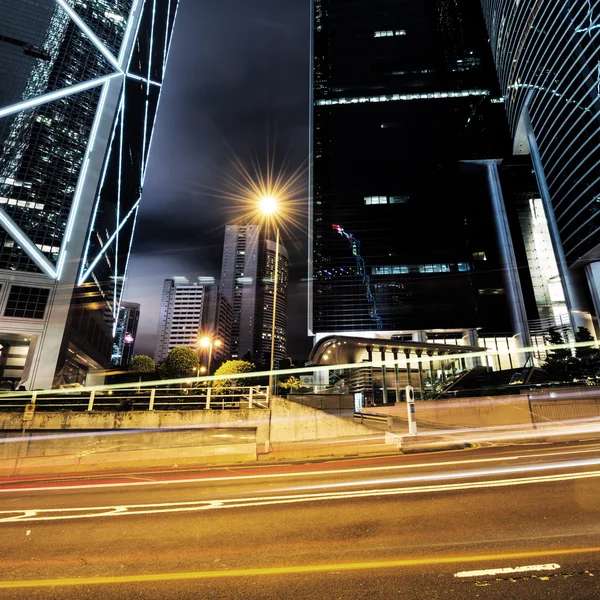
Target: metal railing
[{"x": 179, "y": 398}]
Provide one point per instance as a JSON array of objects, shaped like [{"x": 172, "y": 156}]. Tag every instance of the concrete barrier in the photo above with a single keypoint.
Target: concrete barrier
[{"x": 83, "y": 441}]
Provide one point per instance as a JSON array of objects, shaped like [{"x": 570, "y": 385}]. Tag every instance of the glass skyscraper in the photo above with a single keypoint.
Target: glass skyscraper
[
  {"x": 80, "y": 89},
  {"x": 407, "y": 122},
  {"x": 547, "y": 56}
]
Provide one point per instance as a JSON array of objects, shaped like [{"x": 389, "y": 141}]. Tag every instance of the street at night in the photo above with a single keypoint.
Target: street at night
[{"x": 496, "y": 522}]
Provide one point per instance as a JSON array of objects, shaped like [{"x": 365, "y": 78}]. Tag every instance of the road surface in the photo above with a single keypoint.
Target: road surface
[{"x": 495, "y": 522}]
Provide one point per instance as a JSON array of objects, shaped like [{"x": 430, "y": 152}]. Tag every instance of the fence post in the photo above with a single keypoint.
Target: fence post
[
  {"x": 250, "y": 397},
  {"x": 152, "y": 395},
  {"x": 33, "y": 397},
  {"x": 208, "y": 391},
  {"x": 91, "y": 402}
]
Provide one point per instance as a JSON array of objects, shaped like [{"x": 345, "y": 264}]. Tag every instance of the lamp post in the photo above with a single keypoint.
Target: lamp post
[
  {"x": 207, "y": 342},
  {"x": 268, "y": 207}
]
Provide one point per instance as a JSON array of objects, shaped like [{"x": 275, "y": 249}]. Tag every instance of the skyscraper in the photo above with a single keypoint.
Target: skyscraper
[
  {"x": 242, "y": 271},
  {"x": 80, "y": 89},
  {"x": 247, "y": 283},
  {"x": 125, "y": 333},
  {"x": 547, "y": 56},
  {"x": 407, "y": 226},
  {"x": 281, "y": 313},
  {"x": 180, "y": 317}
]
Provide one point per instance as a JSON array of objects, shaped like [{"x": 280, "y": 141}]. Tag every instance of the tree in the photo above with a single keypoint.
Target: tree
[
  {"x": 142, "y": 364},
  {"x": 559, "y": 362},
  {"x": 587, "y": 357},
  {"x": 180, "y": 362},
  {"x": 233, "y": 367}
]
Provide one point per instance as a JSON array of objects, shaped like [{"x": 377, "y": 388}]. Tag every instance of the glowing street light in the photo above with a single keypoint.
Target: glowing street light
[
  {"x": 268, "y": 207},
  {"x": 207, "y": 342}
]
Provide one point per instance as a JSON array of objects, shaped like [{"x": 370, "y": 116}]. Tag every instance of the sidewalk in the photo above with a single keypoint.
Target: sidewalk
[{"x": 430, "y": 438}]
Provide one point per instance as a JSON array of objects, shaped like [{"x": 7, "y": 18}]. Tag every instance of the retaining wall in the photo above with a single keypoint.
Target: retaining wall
[{"x": 164, "y": 438}]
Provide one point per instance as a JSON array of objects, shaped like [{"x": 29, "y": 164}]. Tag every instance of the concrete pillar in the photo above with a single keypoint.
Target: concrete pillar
[
  {"x": 509, "y": 262},
  {"x": 431, "y": 368},
  {"x": 408, "y": 373},
  {"x": 443, "y": 365},
  {"x": 370, "y": 358},
  {"x": 471, "y": 338},
  {"x": 579, "y": 315},
  {"x": 419, "y": 353},
  {"x": 396, "y": 374},
  {"x": 383, "y": 375}
]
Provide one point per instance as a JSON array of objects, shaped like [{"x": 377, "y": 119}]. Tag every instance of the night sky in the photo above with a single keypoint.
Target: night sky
[{"x": 236, "y": 84}]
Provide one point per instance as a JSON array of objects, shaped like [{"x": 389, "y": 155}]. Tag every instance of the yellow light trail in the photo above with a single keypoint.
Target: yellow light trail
[{"x": 294, "y": 570}]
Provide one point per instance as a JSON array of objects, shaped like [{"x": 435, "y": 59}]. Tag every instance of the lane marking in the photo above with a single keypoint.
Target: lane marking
[
  {"x": 290, "y": 570},
  {"x": 507, "y": 570},
  {"x": 222, "y": 479},
  {"x": 60, "y": 514}
]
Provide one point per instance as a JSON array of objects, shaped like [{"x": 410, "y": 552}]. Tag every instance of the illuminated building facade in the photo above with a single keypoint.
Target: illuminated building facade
[
  {"x": 242, "y": 271},
  {"x": 408, "y": 230},
  {"x": 547, "y": 56},
  {"x": 80, "y": 89},
  {"x": 247, "y": 283},
  {"x": 180, "y": 317},
  {"x": 125, "y": 334},
  {"x": 281, "y": 313}
]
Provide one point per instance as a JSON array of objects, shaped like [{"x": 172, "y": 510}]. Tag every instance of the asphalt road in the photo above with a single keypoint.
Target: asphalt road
[{"x": 497, "y": 523}]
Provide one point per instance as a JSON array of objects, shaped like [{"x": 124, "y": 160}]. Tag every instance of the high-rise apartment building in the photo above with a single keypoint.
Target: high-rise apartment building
[
  {"x": 125, "y": 333},
  {"x": 80, "y": 87},
  {"x": 547, "y": 56},
  {"x": 408, "y": 229},
  {"x": 281, "y": 313},
  {"x": 180, "y": 318}
]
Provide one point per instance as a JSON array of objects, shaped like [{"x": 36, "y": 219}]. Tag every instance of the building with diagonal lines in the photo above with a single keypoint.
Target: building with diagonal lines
[{"x": 80, "y": 88}]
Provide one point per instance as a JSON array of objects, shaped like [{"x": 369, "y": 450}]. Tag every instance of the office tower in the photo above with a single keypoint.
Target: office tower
[
  {"x": 180, "y": 317},
  {"x": 281, "y": 314},
  {"x": 241, "y": 277},
  {"x": 125, "y": 333},
  {"x": 80, "y": 88},
  {"x": 408, "y": 231},
  {"x": 547, "y": 56},
  {"x": 218, "y": 323},
  {"x": 247, "y": 283}
]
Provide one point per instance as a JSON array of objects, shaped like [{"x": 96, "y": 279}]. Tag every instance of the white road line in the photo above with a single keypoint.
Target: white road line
[
  {"x": 60, "y": 514},
  {"x": 507, "y": 570},
  {"x": 46, "y": 488}
]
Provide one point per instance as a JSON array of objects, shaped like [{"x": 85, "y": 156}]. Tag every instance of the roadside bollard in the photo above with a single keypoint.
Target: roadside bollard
[{"x": 410, "y": 408}]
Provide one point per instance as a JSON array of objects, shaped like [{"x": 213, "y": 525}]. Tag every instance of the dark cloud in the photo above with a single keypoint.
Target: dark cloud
[{"x": 237, "y": 82}]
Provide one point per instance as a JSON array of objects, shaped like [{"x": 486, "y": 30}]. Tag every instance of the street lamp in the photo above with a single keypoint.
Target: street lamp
[
  {"x": 268, "y": 207},
  {"x": 208, "y": 342}
]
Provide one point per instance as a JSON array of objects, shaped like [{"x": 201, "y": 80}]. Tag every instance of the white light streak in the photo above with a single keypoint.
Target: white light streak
[
  {"x": 32, "y": 250},
  {"x": 90, "y": 34},
  {"x": 122, "y": 53},
  {"x": 81, "y": 182},
  {"x": 56, "y": 95},
  {"x": 62, "y": 514},
  {"x": 107, "y": 244}
]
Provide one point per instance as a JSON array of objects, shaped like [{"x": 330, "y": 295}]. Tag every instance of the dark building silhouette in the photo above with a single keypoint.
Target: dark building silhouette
[{"x": 408, "y": 227}]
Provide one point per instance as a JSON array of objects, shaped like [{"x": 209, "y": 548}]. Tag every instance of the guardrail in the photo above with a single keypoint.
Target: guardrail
[
  {"x": 182, "y": 398},
  {"x": 389, "y": 421}
]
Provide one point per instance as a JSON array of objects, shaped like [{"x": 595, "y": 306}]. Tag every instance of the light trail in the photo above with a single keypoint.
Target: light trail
[
  {"x": 294, "y": 569},
  {"x": 94, "y": 512},
  {"x": 310, "y": 473}
]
